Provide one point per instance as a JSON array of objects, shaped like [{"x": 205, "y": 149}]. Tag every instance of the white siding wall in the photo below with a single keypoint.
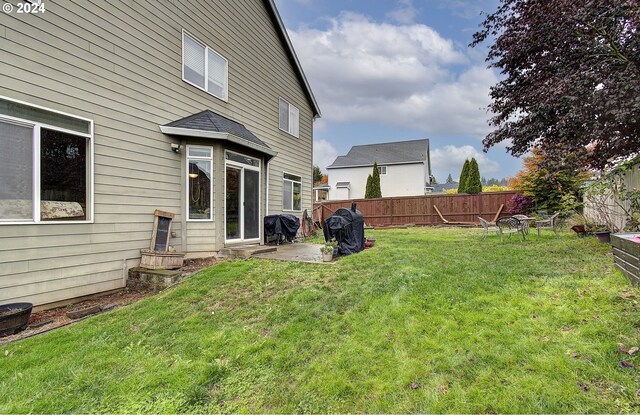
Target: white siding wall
[
  {"x": 119, "y": 64},
  {"x": 400, "y": 180}
]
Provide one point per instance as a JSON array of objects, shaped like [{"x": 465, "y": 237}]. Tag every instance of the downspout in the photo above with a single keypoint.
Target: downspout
[
  {"x": 429, "y": 161},
  {"x": 266, "y": 207}
]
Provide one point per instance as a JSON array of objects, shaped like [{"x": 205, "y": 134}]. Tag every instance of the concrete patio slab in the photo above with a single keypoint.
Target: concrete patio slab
[{"x": 295, "y": 252}]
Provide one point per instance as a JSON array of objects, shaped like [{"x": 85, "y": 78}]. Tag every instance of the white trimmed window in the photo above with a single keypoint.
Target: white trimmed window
[
  {"x": 382, "y": 169},
  {"x": 289, "y": 118},
  {"x": 199, "y": 183},
  {"x": 45, "y": 165},
  {"x": 292, "y": 192},
  {"x": 203, "y": 67}
]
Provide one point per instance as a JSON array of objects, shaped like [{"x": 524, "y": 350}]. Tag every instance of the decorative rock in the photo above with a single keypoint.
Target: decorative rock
[
  {"x": 83, "y": 312},
  {"x": 107, "y": 307},
  {"x": 40, "y": 323}
]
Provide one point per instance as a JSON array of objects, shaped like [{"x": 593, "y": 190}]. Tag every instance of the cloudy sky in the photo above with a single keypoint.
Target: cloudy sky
[{"x": 394, "y": 70}]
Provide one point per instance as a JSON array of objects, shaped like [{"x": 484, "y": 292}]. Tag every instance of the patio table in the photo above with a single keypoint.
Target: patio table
[{"x": 526, "y": 222}]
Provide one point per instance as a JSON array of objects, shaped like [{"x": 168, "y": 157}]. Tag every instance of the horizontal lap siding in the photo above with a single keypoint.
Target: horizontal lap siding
[{"x": 119, "y": 64}]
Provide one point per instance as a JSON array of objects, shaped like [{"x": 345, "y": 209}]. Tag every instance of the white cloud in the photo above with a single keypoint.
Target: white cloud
[
  {"x": 449, "y": 160},
  {"x": 405, "y": 12},
  {"x": 403, "y": 75},
  {"x": 323, "y": 154}
]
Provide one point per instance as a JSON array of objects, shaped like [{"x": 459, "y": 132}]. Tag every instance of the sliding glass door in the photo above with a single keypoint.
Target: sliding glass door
[{"x": 242, "y": 197}]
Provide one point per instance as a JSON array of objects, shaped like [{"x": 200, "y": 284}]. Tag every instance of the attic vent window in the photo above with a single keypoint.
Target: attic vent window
[
  {"x": 289, "y": 118},
  {"x": 203, "y": 67}
]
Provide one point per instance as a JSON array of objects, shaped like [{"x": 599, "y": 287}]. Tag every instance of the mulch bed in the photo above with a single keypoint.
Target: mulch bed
[{"x": 53, "y": 318}]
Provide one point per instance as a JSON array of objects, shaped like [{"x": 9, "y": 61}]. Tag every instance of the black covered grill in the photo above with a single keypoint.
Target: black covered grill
[
  {"x": 347, "y": 227},
  {"x": 281, "y": 227}
]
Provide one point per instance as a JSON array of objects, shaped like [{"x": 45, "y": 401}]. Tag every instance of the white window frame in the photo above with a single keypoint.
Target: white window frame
[
  {"x": 207, "y": 50},
  {"x": 382, "y": 170},
  {"x": 242, "y": 167},
  {"x": 187, "y": 190},
  {"x": 36, "y": 170},
  {"x": 293, "y": 111},
  {"x": 285, "y": 180}
]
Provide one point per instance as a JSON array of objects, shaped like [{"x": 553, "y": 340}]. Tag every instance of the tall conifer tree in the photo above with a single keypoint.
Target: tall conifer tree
[
  {"x": 375, "y": 182},
  {"x": 474, "y": 184},
  {"x": 462, "y": 185}
]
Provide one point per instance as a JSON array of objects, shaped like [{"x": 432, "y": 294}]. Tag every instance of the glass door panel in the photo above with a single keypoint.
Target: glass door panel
[
  {"x": 233, "y": 209},
  {"x": 251, "y": 204}
]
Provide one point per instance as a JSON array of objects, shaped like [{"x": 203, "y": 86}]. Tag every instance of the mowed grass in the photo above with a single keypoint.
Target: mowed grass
[{"x": 429, "y": 320}]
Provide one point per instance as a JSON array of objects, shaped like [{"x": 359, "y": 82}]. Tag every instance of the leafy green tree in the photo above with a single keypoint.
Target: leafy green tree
[
  {"x": 474, "y": 184},
  {"x": 375, "y": 182},
  {"x": 317, "y": 174},
  {"x": 367, "y": 189},
  {"x": 548, "y": 182},
  {"x": 464, "y": 174}
]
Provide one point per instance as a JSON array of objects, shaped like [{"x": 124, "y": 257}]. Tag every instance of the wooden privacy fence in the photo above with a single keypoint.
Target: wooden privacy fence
[{"x": 419, "y": 210}]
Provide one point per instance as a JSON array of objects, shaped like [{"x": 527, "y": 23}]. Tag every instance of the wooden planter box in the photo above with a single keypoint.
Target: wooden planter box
[
  {"x": 161, "y": 260},
  {"x": 626, "y": 255}
]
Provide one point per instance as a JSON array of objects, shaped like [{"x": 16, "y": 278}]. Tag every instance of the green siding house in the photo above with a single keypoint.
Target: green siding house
[{"x": 110, "y": 110}]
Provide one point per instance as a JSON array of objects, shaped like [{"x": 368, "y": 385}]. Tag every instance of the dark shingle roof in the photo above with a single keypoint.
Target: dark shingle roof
[
  {"x": 343, "y": 184},
  {"x": 210, "y": 121},
  {"x": 384, "y": 153}
]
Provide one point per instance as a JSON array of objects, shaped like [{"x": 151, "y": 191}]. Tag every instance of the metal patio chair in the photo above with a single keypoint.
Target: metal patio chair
[
  {"x": 551, "y": 223},
  {"x": 488, "y": 227},
  {"x": 509, "y": 226}
]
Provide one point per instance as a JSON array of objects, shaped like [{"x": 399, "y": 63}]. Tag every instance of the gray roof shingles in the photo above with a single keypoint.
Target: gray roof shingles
[
  {"x": 210, "y": 121},
  {"x": 384, "y": 153}
]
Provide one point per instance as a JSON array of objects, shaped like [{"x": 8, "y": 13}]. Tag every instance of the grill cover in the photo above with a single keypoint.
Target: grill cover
[
  {"x": 347, "y": 227},
  {"x": 284, "y": 225}
]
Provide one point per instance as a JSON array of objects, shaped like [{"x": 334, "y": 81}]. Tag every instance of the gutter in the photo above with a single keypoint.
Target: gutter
[{"x": 189, "y": 132}]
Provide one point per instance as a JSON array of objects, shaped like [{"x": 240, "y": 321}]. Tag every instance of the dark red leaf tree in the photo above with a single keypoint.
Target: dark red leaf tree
[{"x": 571, "y": 77}]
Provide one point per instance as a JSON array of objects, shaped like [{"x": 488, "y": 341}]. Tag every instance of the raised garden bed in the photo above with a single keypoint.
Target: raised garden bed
[
  {"x": 626, "y": 254},
  {"x": 161, "y": 260}
]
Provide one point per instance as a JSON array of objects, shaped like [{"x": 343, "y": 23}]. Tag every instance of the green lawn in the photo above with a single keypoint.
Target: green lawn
[{"x": 475, "y": 326}]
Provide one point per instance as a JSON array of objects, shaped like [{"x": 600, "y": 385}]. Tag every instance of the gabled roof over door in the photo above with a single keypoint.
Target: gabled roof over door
[{"x": 208, "y": 124}]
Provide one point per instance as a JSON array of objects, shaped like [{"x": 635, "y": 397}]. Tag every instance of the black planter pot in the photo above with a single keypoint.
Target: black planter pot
[
  {"x": 14, "y": 318},
  {"x": 604, "y": 237}
]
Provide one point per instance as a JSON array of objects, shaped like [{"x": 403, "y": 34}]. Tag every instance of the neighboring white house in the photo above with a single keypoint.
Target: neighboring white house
[{"x": 404, "y": 166}]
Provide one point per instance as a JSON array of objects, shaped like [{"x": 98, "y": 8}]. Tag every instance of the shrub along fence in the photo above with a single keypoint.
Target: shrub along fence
[{"x": 419, "y": 210}]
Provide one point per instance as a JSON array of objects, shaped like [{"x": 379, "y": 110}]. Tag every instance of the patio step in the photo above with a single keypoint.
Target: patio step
[
  {"x": 244, "y": 252},
  {"x": 152, "y": 279}
]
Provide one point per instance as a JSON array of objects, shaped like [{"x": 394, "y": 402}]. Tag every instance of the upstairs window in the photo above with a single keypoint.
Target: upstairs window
[
  {"x": 203, "y": 67},
  {"x": 291, "y": 194},
  {"x": 289, "y": 118},
  {"x": 382, "y": 169}
]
